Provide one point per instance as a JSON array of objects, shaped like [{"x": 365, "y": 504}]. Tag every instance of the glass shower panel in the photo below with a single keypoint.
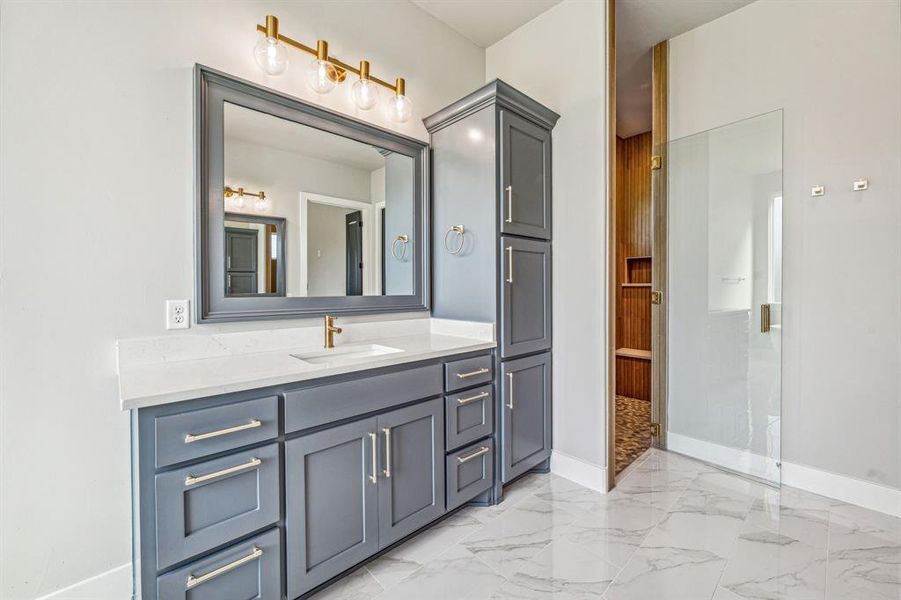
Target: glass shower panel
[{"x": 724, "y": 343}]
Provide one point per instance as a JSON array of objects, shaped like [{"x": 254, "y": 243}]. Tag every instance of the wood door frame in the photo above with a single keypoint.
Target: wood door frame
[
  {"x": 611, "y": 244},
  {"x": 659, "y": 203},
  {"x": 659, "y": 137}
]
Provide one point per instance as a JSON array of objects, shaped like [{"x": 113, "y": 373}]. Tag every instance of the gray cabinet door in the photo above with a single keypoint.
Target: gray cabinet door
[
  {"x": 331, "y": 503},
  {"x": 411, "y": 484},
  {"x": 525, "y": 296},
  {"x": 526, "y": 421},
  {"x": 525, "y": 177}
]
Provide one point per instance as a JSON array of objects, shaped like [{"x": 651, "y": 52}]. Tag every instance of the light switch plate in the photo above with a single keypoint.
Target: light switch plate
[
  {"x": 817, "y": 190},
  {"x": 177, "y": 315}
]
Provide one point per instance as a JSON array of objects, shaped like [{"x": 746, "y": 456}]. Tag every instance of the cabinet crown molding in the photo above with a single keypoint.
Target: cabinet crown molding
[{"x": 496, "y": 92}]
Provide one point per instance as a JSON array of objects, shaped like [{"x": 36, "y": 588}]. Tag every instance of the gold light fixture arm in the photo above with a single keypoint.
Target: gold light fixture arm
[
  {"x": 230, "y": 191},
  {"x": 341, "y": 66}
]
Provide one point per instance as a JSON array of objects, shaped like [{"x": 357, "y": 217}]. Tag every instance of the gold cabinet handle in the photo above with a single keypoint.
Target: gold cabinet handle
[
  {"x": 510, "y": 380},
  {"x": 194, "y": 581},
  {"x": 481, "y": 371},
  {"x": 192, "y": 480},
  {"x": 476, "y": 454},
  {"x": 387, "y": 432},
  {"x": 509, "y": 264},
  {"x": 462, "y": 401},
  {"x": 764, "y": 318},
  {"x": 190, "y": 438},
  {"x": 509, "y": 190},
  {"x": 374, "y": 478}
]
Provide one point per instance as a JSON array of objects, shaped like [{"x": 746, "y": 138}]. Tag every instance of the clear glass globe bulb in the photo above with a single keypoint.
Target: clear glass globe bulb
[
  {"x": 322, "y": 76},
  {"x": 271, "y": 56},
  {"x": 238, "y": 201},
  {"x": 261, "y": 204},
  {"x": 365, "y": 94},
  {"x": 399, "y": 109}
]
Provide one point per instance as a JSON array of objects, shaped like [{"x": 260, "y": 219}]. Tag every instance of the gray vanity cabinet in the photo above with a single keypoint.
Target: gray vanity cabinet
[
  {"x": 525, "y": 297},
  {"x": 526, "y": 420},
  {"x": 525, "y": 156},
  {"x": 356, "y": 488},
  {"x": 331, "y": 503},
  {"x": 411, "y": 486},
  {"x": 491, "y": 174}
]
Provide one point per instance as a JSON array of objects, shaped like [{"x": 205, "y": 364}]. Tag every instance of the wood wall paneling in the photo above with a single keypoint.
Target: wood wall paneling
[{"x": 633, "y": 264}]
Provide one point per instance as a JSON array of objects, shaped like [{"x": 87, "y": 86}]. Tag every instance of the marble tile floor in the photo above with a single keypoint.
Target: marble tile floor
[{"x": 673, "y": 529}]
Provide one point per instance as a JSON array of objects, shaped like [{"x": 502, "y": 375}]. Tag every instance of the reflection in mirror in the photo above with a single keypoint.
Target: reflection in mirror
[
  {"x": 346, "y": 209},
  {"x": 254, "y": 255}
]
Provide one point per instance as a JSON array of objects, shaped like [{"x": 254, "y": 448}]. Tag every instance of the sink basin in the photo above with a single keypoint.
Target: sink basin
[{"x": 345, "y": 354}]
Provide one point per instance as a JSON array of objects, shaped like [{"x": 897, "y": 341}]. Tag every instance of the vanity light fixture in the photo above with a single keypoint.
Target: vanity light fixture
[
  {"x": 326, "y": 72},
  {"x": 271, "y": 56},
  {"x": 365, "y": 92},
  {"x": 260, "y": 204}
]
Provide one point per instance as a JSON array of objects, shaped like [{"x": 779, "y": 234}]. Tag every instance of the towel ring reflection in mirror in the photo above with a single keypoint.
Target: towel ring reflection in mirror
[
  {"x": 403, "y": 240},
  {"x": 455, "y": 239}
]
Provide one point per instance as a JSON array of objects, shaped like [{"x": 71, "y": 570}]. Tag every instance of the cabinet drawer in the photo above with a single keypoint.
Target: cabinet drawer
[
  {"x": 198, "y": 433},
  {"x": 251, "y": 569},
  {"x": 211, "y": 503},
  {"x": 470, "y": 471},
  {"x": 332, "y": 402},
  {"x": 469, "y": 416},
  {"x": 468, "y": 372}
]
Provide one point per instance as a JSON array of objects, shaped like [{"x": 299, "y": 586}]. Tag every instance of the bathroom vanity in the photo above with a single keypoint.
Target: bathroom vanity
[
  {"x": 268, "y": 463},
  {"x": 237, "y": 493}
]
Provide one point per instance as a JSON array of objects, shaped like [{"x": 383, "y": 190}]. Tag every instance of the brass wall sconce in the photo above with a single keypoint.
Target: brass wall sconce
[
  {"x": 260, "y": 204},
  {"x": 325, "y": 72}
]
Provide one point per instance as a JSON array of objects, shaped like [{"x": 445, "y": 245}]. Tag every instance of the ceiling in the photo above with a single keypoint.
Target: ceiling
[
  {"x": 640, "y": 24},
  {"x": 265, "y": 130},
  {"x": 485, "y": 22}
]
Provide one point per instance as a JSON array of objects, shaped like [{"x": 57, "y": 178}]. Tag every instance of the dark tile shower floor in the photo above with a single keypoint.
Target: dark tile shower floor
[{"x": 633, "y": 430}]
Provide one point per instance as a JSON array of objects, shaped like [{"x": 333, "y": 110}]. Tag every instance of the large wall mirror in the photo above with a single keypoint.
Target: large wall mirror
[{"x": 302, "y": 211}]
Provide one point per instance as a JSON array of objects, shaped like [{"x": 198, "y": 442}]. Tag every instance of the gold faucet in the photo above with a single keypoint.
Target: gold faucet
[{"x": 330, "y": 331}]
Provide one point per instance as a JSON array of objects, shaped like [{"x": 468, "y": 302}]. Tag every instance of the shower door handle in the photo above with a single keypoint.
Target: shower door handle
[{"x": 764, "y": 318}]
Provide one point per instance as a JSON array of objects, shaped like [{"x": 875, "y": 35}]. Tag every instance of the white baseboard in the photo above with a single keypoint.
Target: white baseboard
[
  {"x": 575, "y": 469},
  {"x": 741, "y": 461},
  {"x": 832, "y": 485},
  {"x": 114, "y": 584},
  {"x": 841, "y": 487}
]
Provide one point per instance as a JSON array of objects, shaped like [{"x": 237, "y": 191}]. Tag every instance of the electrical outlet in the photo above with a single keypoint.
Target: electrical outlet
[{"x": 177, "y": 316}]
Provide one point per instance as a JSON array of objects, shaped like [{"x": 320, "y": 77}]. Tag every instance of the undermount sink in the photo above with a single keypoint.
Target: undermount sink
[{"x": 345, "y": 354}]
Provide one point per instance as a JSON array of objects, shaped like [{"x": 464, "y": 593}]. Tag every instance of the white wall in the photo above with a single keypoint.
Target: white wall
[
  {"x": 836, "y": 71},
  {"x": 97, "y": 128},
  {"x": 576, "y": 89}
]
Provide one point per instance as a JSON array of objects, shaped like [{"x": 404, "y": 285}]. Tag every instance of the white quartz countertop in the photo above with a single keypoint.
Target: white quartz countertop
[{"x": 172, "y": 369}]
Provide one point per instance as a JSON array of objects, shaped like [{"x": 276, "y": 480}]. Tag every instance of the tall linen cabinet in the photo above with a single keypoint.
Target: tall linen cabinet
[{"x": 491, "y": 261}]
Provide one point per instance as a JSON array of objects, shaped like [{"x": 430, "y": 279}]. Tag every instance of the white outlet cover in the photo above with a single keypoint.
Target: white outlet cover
[{"x": 177, "y": 314}]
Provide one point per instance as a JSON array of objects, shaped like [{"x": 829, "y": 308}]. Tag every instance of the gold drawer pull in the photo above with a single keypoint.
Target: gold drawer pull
[
  {"x": 481, "y": 371},
  {"x": 476, "y": 454},
  {"x": 195, "y": 581},
  {"x": 462, "y": 401},
  {"x": 253, "y": 462},
  {"x": 197, "y": 437}
]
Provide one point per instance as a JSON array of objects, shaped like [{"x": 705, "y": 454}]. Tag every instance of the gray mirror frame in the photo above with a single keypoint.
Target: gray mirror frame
[{"x": 211, "y": 89}]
